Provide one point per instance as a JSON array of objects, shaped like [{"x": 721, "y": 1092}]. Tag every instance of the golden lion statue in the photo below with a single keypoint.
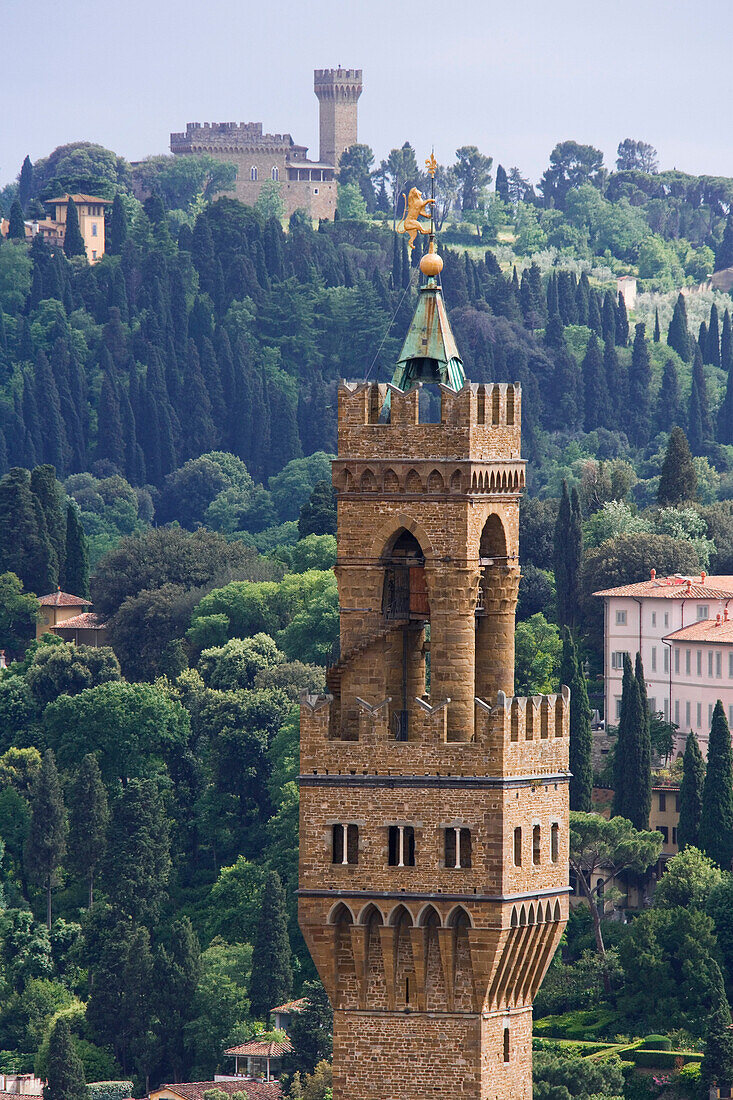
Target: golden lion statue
[{"x": 416, "y": 208}]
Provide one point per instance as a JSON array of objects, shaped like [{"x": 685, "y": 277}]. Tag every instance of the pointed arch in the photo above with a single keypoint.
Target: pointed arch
[
  {"x": 413, "y": 482},
  {"x": 515, "y": 919},
  {"x": 456, "y": 482},
  {"x": 435, "y": 482},
  {"x": 341, "y": 914},
  {"x": 428, "y": 914},
  {"x": 548, "y": 913},
  {"x": 492, "y": 543},
  {"x": 399, "y": 914},
  {"x": 368, "y": 482},
  {"x": 369, "y": 913},
  {"x": 391, "y": 481},
  {"x": 459, "y": 918},
  {"x": 556, "y": 914},
  {"x": 390, "y": 530},
  {"x": 530, "y": 915},
  {"x": 522, "y": 917}
]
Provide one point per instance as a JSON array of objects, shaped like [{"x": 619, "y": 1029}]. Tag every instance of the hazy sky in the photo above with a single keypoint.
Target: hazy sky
[{"x": 513, "y": 78}]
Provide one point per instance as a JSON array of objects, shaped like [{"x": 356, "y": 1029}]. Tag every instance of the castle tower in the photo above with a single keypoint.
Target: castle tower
[
  {"x": 434, "y": 804},
  {"x": 338, "y": 92}
]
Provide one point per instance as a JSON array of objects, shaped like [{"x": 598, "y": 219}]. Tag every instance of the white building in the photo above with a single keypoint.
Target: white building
[{"x": 651, "y": 618}]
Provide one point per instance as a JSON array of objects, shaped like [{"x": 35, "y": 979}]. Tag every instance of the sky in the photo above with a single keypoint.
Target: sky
[{"x": 513, "y": 78}]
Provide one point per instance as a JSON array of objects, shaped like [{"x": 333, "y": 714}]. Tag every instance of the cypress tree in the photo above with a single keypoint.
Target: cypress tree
[
  {"x": 110, "y": 440},
  {"x": 45, "y": 845},
  {"x": 702, "y": 339},
  {"x": 712, "y": 345},
  {"x": 568, "y": 550},
  {"x": 50, "y": 494},
  {"x": 582, "y": 299},
  {"x": 699, "y": 428},
  {"x": 195, "y": 408},
  {"x": 621, "y": 754},
  {"x": 657, "y": 331},
  {"x": 552, "y": 298},
  {"x": 645, "y": 745},
  {"x": 73, "y": 240},
  {"x": 502, "y": 183},
  {"x": 566, "y": 298},
  {"x": 691, "y": 792},
  {"x": 724, "y": 251},
  {"x": 668, "y": 399},
  {"x": 88, "y": 821},
  {"x": 678, "y": 481},
  {"x": 678, "y": 336},
  {"x": 716, "y": 820},
  {"x": 271, "y": 980},
  {"x": 594, "y": 313},
  {"x": 25, "y": 548},
  {"x": 16, "y": 224},
  {"x": 177, "y": 972},
  {"x": 640, "y": 377},
  {"x": 725, "y": 412},
  {"x": 616, "y": 381},
  {"x": 581, "y": 737},
  {"x": 716, "y": 1068},
  {"x": 633, "y": 781},
  {"x": 117, "y": 234},
  {"x": 137, "y": 863},
  {"x": 597, "y": 401},
  {"x": 53, "y": 438},
  {"x": 726, "y": 343},
  {"x": 75, "y": 574},
  {"x": 25, "y": 183},
  {"x": 622, "y": 322},
  {"x": 65, "y": 1070},
  {"x": 608, "y": 317}
]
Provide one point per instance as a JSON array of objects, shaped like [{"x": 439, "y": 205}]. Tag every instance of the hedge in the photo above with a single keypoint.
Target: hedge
[
  {"x": 664, "y": 1059},
  {"x": 109, "y": 1090},
  {"x": 657, "y": 1042}
]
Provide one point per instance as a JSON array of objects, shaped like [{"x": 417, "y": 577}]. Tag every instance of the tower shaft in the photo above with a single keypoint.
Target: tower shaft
[{"x": 338, "y": 92}]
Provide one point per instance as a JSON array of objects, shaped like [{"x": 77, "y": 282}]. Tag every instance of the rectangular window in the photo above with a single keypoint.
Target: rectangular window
[
  {"x": 703, "y": 611},
  {"x": 710, "y": 664},
  {"x": 677, "y": 803},
  {"x": 345, "y": 844},
  {"x": 617, "y": 659},
  {"x": 94, "y": 229},
  {"x": 730, "y": 665},
  {"x": 674, "y": 835},
  {"x": 536, "y": 845},
  {"x": 699, "y": 662},
  {"x": 662, "y": 802},
  {"x": 664, "y": 831},
  {"x": 401, "y": 846},
  {"x": 666, "y": 707},
  {"x": 699, "y": 715},
  {"x": 654, "y": 618},
  {"x": 718, "y": 666},
  {"x": 617, "y": 700},
  {"x": 730, "y": 715},
  {"x": 688, "y": 713},
  {"x": 94, "y": 253},
  {"x": 620, "y": 618},
  {"x": 654, "y": 658},
  {"x": 555, "y": 842},
  {"x": 666, "y": 618},
  {"x": 506, "y": 1044},
  {"x": 315, "y": 190},
  {"x": 676, "y": 660},
  {"x": 688, "y": 656},
  {"x": 710, "y": 713},
  {"x": 517, "y": 847},
  {"x": 677, "y": 712},
  {"x": 457, "y": 848},
  {"x": 665, "y": 662}
]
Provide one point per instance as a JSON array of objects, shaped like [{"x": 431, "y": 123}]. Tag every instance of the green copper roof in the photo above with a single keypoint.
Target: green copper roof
[{"x": 429, "y": 353}]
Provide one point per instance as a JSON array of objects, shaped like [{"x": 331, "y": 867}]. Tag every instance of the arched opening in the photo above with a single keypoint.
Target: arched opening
[
  {"x": 460, "y": 922},
  {"x": 494, "y": 622},
  {"x": 342, "y": 917},
  {"x": 401, "y": 921},
  {"x": 275, "y": 174},
  {"x": 435, "y": 993},
  {"x": 253, "y": 173},
  {"x": 405, "y": 603}
]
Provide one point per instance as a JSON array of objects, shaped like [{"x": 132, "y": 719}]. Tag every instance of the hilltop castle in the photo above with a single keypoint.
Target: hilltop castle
[
  {"x": 434, "y": 804},
  {"x": 305, "y": 184}
]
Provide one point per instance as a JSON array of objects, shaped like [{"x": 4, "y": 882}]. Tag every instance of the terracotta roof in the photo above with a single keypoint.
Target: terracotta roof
[
  {"x": 86, "y": 621},
  {"x": 257, "y": 1048},
  {"x": 63, "y": 599},
  {"x": 291, "y": 1006},
  {"x": 707, "y": 630},
  {"x": 255, "y": 1090},
  {"x": 79, "y": 198},
  {"x": 676, "y": 588}
]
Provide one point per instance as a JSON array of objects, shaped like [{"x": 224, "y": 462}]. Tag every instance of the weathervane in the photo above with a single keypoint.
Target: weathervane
[{"x": 416, "y": 207}]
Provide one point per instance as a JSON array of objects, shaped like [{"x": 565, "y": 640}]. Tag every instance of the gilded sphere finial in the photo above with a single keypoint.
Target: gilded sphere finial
[{"x": 431, "y": 264}]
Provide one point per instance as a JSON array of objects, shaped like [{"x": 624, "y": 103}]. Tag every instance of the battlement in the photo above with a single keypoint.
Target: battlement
[
  {"x": 513, "y": 737},
  {"x": 240, "y": 133},
  {"x": 323, "y": 79},
  {"x": 481, "y": 422}
]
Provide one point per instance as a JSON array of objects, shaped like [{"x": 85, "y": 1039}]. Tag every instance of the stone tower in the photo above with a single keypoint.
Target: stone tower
[
  {"x": 338, "y": 92},
  {"x": 434, "y": 803}
]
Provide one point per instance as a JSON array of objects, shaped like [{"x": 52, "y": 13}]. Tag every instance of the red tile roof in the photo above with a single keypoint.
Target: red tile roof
[
  {"x": 63, "y": 599},
  {"x": 255, "y": 1090},
  {"x": 291, "y": 1006},
  {"x": 88, "y": 620},
  {"x": 79, "y": 198},
  {"x": 676, "y": 587},
  {"x": 257, "y": 1048},
  {"x": 707, "y": 630}
]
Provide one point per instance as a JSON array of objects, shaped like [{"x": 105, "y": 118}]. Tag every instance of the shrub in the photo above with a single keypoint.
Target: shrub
[
  {"x": 109, "y": 1090},
  {"x": 657, "y": 1042},
  {"x": 664, "y": 1059}
]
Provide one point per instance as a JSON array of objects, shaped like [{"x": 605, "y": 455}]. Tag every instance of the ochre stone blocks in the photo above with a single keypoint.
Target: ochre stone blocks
[{"x": 433, "y": 931}]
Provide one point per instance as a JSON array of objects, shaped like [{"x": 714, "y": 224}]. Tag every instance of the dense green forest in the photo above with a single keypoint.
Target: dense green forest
[{"x": 167, "y": 418}]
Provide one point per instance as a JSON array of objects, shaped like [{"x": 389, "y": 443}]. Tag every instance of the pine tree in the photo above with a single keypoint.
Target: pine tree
[
  {"x": 712, "y": 343},
  {"x": 65, "y": 1070},
  {"x": 117, "y": 234},
  {"x": 657, "y": 331},
  {"x": 668, "y": 400},
  {"x": 271, "y": 981},
  {"x": 724, "y": 251},
  {"x": 678, "y": 336},
  {"x": 568, "y": 549},
  {"x": 25, "y": 183},
  {"x": 50, "y": 494},
  {"x": 638, "y": 416},
  {"x": 581, "y": 737},
  {"x": 691, "y": 792},
  {"x": 25, "y": 548},
  {"x": 73, "y": 240},
  {"x": 699, "y": 428},
  {"x": 88, "y": 821},
  {"x": 678, "y": 481},
  {"x": 716, "y": 821},
  {"x": 75, "y": 574},
  {"x": 16, "y": 224},
  {"x": 45, "y": 846},
  {"x": 597, "y": 400},
  {"x": 622, "y": 322}
]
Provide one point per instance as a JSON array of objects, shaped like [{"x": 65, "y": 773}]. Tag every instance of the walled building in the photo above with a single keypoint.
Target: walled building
[
  {"x": 650, "y": 617},
  {"x": 434, "y": 804},
  {"x": 304, "y": 184},
  {"x": 90, "y": 209}
]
